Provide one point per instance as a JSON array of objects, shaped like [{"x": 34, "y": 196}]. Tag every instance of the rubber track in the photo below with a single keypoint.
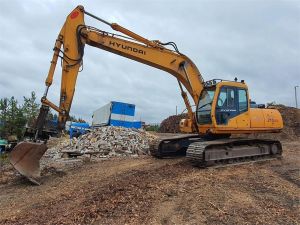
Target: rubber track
[
  {"x": 156, "y": 146},
  {"x": 196, "y": 153}
]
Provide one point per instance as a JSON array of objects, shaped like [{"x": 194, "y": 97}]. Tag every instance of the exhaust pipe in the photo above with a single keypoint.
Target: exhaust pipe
[{"x": 25, "y": 158}]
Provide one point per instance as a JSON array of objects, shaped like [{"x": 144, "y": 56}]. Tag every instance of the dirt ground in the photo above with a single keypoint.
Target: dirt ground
[{"x": 152, "y": 191}]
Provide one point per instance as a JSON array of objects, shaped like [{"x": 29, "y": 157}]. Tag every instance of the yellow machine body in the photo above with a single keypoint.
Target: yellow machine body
[{"x": 250, "y": 120}]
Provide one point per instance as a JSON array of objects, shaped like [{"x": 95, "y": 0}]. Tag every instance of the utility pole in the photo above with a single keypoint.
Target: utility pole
[
  {"x": 296, "y": 96},
  {"x": 176, "y": 110}
]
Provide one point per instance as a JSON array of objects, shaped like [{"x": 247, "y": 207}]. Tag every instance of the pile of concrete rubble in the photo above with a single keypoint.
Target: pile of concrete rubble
[{"x": 104, "y": 142}]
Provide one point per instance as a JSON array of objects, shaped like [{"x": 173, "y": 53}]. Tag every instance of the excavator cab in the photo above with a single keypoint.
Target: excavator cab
[
  {"x": 221, "y": 101},
  {"x": 224, "y": 108},
  {"x": 220, "y": 104}
]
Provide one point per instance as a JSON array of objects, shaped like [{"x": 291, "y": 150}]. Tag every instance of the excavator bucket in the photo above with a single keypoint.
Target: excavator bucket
[{"x": 25, "y": 157}]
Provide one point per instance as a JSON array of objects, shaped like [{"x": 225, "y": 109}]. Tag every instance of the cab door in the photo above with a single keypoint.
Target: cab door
[
  {"x": 227, "y": 107},
  {"x": 232, "y": 108}
]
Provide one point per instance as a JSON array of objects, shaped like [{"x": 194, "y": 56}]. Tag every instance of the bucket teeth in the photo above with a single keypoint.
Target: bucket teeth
[{"x": 25, "y": 158}]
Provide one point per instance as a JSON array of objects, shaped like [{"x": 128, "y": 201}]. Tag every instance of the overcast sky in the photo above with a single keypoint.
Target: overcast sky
[{"x": 258, "y": 41}]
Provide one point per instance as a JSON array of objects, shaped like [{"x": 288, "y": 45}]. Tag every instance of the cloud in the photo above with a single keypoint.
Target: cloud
[{"x": 253, "y": 40}]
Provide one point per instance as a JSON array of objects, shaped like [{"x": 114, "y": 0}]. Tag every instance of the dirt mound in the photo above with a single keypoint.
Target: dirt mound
[
  {"x": 291, "y": 118},
  {"x": 171, "y": 124}
]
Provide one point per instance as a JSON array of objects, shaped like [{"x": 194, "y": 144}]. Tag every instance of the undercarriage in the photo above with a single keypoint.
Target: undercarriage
[{"x": 204, "y": 153}]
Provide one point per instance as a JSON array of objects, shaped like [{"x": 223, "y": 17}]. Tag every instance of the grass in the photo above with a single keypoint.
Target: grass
[
  {"x": 4, "y": 158},
  {"x": 153, "y": 128}
]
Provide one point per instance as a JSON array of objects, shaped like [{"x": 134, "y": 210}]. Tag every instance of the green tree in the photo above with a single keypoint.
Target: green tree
[
  {"x": 74, "y": 119},
  {"x": 16, "y": 118},
  {"x": 30, "y": 109},
  {"x": 152, "y": 128},
  {"x": 12, "y": 117},
  {"x": 51, "y": 115},
  {"x": 3, "y": 116}
]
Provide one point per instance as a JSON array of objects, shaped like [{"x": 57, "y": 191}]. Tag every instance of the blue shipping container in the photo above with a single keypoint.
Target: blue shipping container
[
  {"x": 121, "y": 108},
  {"x": 116, "y": 114}
]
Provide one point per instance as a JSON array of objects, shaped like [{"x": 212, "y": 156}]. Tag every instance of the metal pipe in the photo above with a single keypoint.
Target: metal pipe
[
  {"x": 97, "y": 18},
  {"x": 46, "y": 91},
  {"x": 180, "y": 86}
]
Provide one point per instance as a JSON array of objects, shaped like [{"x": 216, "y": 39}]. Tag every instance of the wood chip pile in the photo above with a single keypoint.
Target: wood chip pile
[{"x": 171, "y": 124}]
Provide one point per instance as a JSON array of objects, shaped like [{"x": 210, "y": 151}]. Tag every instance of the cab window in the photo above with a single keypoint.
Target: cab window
[
  {"x": 243, "y": 103},
  {"x": 203, "y": 112},
  {"x": 222, "y": 97},
  {"x": 226, "y": 98},
  {"x": 230, "y": 98}
]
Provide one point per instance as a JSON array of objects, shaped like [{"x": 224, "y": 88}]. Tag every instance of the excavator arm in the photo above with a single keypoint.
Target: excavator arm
[{"x": 70, "y": 44}]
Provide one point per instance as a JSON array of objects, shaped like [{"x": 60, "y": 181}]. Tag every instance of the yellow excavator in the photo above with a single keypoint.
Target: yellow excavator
[{"x": 222, "y": 107}]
